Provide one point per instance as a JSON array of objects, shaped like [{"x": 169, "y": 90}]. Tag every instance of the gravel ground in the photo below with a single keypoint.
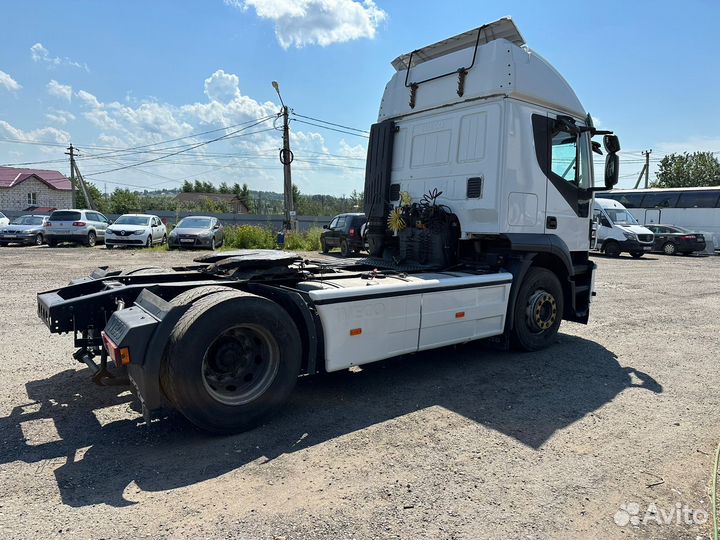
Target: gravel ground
[{"x": 459, "y": 442}]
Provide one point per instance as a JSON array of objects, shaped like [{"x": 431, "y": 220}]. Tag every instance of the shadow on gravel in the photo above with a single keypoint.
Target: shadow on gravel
[{"x": 525, "y": 396}]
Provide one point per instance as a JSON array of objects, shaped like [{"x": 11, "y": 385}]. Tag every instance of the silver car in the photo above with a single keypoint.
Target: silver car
[
  {"x": 197, "y": 231},
  {"x": 28, "y": 230},
  {"x": 85, "y": 227}
]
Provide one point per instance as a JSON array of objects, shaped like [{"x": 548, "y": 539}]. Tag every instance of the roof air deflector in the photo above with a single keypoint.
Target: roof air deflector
[{"x": 501, "y": 29}]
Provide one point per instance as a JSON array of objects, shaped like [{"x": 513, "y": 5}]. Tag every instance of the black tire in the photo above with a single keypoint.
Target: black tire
[
  {"x": 344, "y": 248},
  {"x": 3, "y": 244},
  {"x": 91, "y": 239},
  {"x": 636, "y": 254},
  {"x": 669, "y": 248},
  {"x": 323, "y": 246},
  {"x": 538, "y": 310},
  {"x": 108, "y": 246},
  {"x": 39, "y": 240},
  {"x": 51, "y": 242},
  {"x": 195, "y": 370},
  {"x": 164, "y": 240},
  {"x": 212, "y": 244},
  {"x": 612, "y": 248}
]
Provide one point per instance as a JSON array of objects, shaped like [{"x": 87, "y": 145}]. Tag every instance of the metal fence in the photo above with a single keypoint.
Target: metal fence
[{"x": 272, "y": 222}]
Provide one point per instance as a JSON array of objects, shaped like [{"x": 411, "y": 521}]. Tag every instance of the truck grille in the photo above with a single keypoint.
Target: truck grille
[{"x": 645, "y": 237}]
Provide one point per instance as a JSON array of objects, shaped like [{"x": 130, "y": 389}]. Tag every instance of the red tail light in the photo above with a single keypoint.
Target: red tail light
[
  {"x": 47, "y": 224},
  {"x": 688, "y": 237},
  {"x": 351, "y": 232},
  {"x": 79, "y": 223}
]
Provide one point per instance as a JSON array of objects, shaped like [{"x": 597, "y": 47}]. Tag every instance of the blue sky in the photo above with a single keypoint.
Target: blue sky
[{"x": 112, "y": 75}]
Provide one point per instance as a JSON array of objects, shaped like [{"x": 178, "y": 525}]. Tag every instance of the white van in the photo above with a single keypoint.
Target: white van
[{"x": 618, "y": 231}]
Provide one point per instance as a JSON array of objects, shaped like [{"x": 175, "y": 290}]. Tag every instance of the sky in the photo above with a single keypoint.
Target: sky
[{"x": 120, "y": 79}]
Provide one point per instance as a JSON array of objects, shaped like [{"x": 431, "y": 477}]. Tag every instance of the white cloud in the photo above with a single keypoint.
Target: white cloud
[
  {"x": 59, "y": 116},
  {"x": 39, "y": 53},
  {"x": 223, "y": 87},
  {"x": 56, "y": 89},
  {"x": 249, "y": 155},
  {"x": 37, "y": 135},
  {"x": 89, "y": 99},
  {"x": 317, "y": 22},
  {"x": 8, "y": 82}
]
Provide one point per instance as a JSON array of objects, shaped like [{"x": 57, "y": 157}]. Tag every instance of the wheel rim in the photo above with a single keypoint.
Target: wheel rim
[
  {"x": 148, "y": 242},
  {"x": 91, "y": 239},
  {"x": 38, "y": 240},
  {"x": 541, "y": 311},
  {"x": 669, "y": 249},
  {"x": 164, "y": 240},
  {"x": 212, "y": 244},
  {"x": 241, "y": 364}
]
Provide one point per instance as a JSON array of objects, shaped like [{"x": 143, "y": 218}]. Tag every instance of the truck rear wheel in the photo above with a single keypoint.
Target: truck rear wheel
[
  {"x": 538, "y": 310},
  {"x": 232, "y": 360}
]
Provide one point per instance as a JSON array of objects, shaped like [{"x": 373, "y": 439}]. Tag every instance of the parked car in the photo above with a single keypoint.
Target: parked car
[
  {"x": 85, "y": 227},
  {"x": 4, "y": 220},
  {"x": 343, "y": 232},
  {"x": 27, "y": 230},
  {"x": 671, "y": 239},
  {"x": 197, "y": 231},
  {"x": 136, "y": 230}
]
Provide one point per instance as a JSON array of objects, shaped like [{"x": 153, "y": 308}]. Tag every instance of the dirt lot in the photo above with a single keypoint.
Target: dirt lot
[{"x": 460, "y": 442}]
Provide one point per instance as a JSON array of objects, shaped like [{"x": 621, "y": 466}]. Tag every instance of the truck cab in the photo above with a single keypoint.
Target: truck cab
[{"x": 619, "y": 232}]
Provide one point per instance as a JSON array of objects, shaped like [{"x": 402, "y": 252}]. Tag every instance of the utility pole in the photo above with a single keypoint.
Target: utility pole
[
  {"x": 71, "y": 153},
  {"x": 286, "y": 158},
  {"x": 75, "y": 176},
  {"x": 645, "y": 170},
  {"x": 647, "y": 166}
]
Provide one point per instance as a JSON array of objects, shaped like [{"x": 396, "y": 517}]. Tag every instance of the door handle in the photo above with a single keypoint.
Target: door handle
[{"x": 551, "y": 222}]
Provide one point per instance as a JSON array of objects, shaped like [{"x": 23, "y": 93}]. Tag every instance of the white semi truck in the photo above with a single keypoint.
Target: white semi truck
[{"x": 479, "y": 187}]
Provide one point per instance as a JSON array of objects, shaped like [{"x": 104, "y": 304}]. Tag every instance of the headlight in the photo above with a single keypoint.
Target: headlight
[
  {"x": 109, "y": 231},
  {"x": 139, "y": 232},
  {"x": 173, "y": 233},
  {"x": 206, "y": 234},
  {"x": 630, "y": 235}
]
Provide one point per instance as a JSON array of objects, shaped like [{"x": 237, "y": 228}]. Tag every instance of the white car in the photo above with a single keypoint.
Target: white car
[
  {"x": 4, "y": 220},
  {"x": 136, "y": 230}
]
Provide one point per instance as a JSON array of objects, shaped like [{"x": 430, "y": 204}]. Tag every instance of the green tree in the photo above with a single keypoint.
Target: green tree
[
  {"x": 124, "y": 201},
  {"x": 246, "y": 197},
  {"x": 187, "y": 186},
  {"x": 224, "y": 188},
  {"x": 699, "y": 169},
  {"x": 97, "y": 197}
]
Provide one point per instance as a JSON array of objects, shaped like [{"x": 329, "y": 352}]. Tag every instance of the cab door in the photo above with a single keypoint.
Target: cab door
[{"x": 569, "y": 173}]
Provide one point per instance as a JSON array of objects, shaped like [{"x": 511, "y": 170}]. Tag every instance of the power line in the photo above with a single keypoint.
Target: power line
[
  {"x": 181, "y": 151},
  {"x": 331, "y": 128},
  {"x": 331, "y": 123}
]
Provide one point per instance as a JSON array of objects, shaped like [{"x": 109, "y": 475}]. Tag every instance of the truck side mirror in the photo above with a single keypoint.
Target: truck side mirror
[
  {"x": 612, "y": 170},
  {"x": 611, "y": 143},
  {"x": 326, "y": 226}
]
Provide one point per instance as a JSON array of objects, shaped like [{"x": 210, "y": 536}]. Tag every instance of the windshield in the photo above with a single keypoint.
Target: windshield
[
  {"x": 28, "y": 220},
  {"x": 132, "y": 220},
  {"x": 621, "y": 217},
  {"x": 194, "y": 223}
]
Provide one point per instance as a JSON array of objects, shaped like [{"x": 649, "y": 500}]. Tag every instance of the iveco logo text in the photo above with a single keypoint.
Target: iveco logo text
[{"x": 366, "y": 311}]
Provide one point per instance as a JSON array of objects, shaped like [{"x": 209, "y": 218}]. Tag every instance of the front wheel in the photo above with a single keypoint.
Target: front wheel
[
  {"x": 39, "y": 239},
  {"x": 212, "y": 244},
  {"x": 148, "y": 242},
  {"x": 612, "y": 249},
  {"x": 323, "y": 246},
  {"x": 164, "y": 240},
  {"x": 538, "y": 310},
  {"x": 232, "y": 360}
]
